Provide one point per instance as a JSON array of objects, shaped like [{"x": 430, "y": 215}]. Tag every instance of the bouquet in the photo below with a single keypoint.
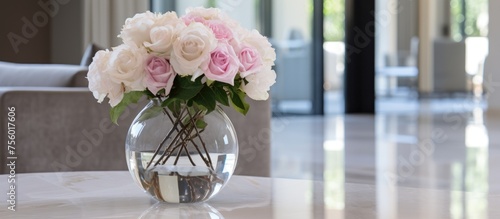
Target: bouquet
[
  {"x": 187, "y": 65},
  {"x": 200, "y": 59}
]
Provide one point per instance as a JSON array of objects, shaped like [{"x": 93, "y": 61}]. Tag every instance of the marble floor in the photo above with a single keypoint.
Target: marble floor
[{"x": 437, "y": 145}]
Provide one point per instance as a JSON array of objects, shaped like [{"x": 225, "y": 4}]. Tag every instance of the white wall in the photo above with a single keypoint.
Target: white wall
[
  {"x": 386, "y": 29},
  {"x": 407, "y": 19},
  {"x": 291, "y": 14},
  {"x": 442, "y": 17},
  {"x": 492, "y": 66},
  {"x": 181, "y": 5},
  {"x": 244, "y": 11}
]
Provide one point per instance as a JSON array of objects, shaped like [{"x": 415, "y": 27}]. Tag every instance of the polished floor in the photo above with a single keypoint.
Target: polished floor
[{"x": 444, "y": 146}]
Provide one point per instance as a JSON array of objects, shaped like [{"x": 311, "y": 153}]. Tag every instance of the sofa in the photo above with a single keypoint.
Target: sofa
[{"x": 59, "y": 126}]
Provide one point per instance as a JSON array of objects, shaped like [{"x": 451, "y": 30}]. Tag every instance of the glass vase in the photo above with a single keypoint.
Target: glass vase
[{"x": 181, "y": 153}]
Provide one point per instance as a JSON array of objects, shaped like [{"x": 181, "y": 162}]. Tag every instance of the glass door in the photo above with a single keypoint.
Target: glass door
[
  {"x": 291, "y": 32},
  {"x": 334, "y": 57}
]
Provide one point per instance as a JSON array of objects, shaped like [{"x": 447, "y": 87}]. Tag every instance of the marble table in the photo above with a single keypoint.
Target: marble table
[{"x": 114, "y": 195}]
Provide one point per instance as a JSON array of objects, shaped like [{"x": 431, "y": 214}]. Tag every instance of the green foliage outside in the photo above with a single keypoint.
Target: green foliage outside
[
  {"x": 475, "y": 19},
  {"x": 211, "y": 4},
  {"x": 334, "y": 12},
  {"x": 476, "y": 11}
]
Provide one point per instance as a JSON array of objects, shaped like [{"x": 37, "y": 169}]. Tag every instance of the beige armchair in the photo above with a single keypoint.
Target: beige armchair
[{"x": 60, "y": 127}]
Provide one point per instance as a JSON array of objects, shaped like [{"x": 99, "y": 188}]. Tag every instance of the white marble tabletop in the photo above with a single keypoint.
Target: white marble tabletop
[{"x": 114, "y": 195}]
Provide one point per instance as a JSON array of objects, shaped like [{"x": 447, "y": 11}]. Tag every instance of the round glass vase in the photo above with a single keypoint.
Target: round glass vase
[{"x": 181, "y": 154}]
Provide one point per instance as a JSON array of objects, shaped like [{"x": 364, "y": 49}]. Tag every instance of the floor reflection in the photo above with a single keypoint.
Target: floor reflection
[
  {"x": 476, "y": 168},
  {"x": 443, "y": 152},
  {"x": 334, "y": 177}
]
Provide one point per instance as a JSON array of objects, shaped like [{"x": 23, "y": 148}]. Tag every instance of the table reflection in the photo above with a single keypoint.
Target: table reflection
[{"x": 184, "y": 211}]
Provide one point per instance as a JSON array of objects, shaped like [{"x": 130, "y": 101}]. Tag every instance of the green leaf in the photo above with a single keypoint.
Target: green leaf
[
  {"x": 189, "y": 103},
  {"x": 168, "y": 101},
  {"x": 185, "y": 89},
  {"x": 220, "y": 84},
  {"x": 149, "y": 93},
  {"x": 201, "y": 124},
  {"x": 238, "y": 101},
  {"x": 174, "y": 105},
  {"x": 206, "y": 98},
  {"x": 128, "y": 98},
  {"x": 235, "y": 97},
  {"x": 237, "y": 81},
  {"x": 151, "y": 113},
  {"x": 221, "y": 95}
]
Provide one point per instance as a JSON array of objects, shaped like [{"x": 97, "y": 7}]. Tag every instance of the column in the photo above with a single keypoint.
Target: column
[
  {"x": 427, "y": 33},
  {"x": 359, "y": 82},
  {"x": 492, "y": 64}
]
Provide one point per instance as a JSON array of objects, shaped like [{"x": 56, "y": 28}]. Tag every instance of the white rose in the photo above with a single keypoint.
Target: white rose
[
  {"x": 128, "y": 66},
  {"x": 115, "y": 95},
  {"x": 162, "y": 38},
  {"x": 168, "y": 18},
  {"x": 266, "y": 51},
  {"x": 192, "y": 48},
  {"x": 137, "y": 29},
  {"x": 100, "y": 84},
  {"x": 163, "y": 34},
  {"x": 259, "y": 84}
]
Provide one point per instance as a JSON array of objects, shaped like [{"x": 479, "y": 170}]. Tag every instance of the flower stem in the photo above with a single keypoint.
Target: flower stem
[
  {"x": 189, "y": 155},
  {"x": 163, "y": 141},
  {"x": 182, "y": 139},
  {"x": 208, "y": 161},
  {"x": 171, "y": 143},
  {"x": 202, "y": 143},
  {"x": 160, "y": 146}
]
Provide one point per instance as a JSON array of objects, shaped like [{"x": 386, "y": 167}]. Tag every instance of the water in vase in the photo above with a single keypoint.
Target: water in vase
[{"x": 182, "y": 182}]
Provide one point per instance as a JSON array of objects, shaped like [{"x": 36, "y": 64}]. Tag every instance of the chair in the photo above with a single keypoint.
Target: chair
[
  {"x": 89, "y": 53},
  {"x": 449, "y": 66},
  {"x": 293, "y": 69},
  {"x": 401, "y": 68}
]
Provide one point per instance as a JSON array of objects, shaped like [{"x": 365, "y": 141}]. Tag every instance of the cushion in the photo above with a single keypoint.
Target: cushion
[{"x": 41, "y": 75}]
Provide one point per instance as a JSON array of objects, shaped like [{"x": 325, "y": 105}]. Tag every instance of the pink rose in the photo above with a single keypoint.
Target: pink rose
[
  {"x": 251, "y": 61},
  {"x": 223, "y": 64},
  {"x": 261, "y": 44},
  {"x": 160, "y": 75},
  {"x": 220, "y": 29}
]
